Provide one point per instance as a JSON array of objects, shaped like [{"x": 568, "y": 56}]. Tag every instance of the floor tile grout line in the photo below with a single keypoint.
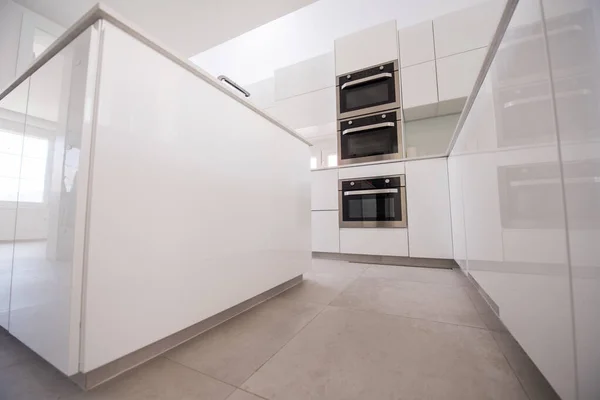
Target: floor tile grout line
[
  {"x": 348, "y": 285},
  {"x": 202, "y": 373},
  {"x": 282, "y": 347},
  {"x": 246, "y": 391},
  {"x": 511, "y": 367},
  {"x": 412, "y": 318}
]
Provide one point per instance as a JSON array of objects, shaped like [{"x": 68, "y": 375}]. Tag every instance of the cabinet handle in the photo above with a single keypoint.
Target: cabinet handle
[
  {"x": 377, "y": 77},
  {"x": 225, "y": 79},
  {"x": 368, "y": 127}
]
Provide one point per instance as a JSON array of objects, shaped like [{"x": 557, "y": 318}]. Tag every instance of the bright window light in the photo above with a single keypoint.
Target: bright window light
[
  {"x": 22, "y": 167},
  {"x": 313, "y": 162}
]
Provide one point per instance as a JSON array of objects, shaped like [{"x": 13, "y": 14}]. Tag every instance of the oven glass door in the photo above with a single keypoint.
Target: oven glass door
[
  {"x": 375, "y": 87},
  {"x": 368, "y": 141},
  {"x": 372, "y": 205}
]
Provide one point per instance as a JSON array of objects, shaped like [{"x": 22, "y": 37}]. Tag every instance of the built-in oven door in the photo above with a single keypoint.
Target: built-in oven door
[
  {"x": 376, "y": 137},
  {"x": 368, "y": 91},
  {"x": 373, "y": 203}
]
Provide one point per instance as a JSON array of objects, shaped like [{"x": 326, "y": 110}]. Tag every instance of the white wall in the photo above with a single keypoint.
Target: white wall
[
  {"x": 185, "y": 221},
  {"x": 524, "y": 190}
]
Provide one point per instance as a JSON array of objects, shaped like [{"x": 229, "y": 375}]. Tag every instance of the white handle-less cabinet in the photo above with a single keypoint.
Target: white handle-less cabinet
[
  {"x": 324, "y": 190},
  {"x": 457, "y": 74},
  {"x": 374, "y": 241},
  {"x": 325, "y": 231},
  {"x": 419, "y": 85},
  {"x": 466, "y": 29},
  {"x": 416, "y": 44},
  {"x": 369, "y": 47},
  {"x": 307, "y": 76},
  {"x": 306, "y": 110},
  {"x": 428, "y": 208}
]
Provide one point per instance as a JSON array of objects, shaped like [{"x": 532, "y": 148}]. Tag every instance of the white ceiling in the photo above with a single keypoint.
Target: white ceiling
[
  {"x": 185, "y": 26},
  {"x": 311, "y": 31}
]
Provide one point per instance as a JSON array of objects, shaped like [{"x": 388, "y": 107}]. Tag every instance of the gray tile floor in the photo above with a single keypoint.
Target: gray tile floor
[{"x": 349, "y": 331}]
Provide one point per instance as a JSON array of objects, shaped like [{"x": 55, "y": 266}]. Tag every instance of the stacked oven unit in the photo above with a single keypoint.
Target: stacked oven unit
[{"x": 369, "y": 130}]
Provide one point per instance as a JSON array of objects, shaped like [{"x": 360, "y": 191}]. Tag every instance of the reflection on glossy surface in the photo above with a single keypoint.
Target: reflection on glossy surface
[
  {"x": 574, "y": 47},
  {"x": 12, "y": 125},
  {"x": 525, "y": 185},
  {"x": 42, "y": 160}
]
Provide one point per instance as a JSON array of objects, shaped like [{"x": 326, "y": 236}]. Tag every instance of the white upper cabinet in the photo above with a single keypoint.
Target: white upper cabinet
[
  {"x": 306, "y": 76},
  {"x": 416, "y": 44},
  {"x": 324, "y": 189},
  {"x": 466, "y": 29},
  {"x": 306, "y": 110},
  {"x": 369, "y": 47},
  {"x": 428, "y": 209},
  {"x": 457, "y": 74},
  {"x": 419, "y": 85},
  {"x": 262, "y": 93}
]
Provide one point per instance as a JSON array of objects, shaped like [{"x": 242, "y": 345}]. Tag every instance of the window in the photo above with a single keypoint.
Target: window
[
  {"x": 332, "y": 160},
  {"x": 313, "y": 162},
  {"x": 22, "y": 167}
]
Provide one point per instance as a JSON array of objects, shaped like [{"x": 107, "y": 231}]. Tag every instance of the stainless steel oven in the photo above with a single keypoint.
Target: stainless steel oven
[
  {"x": 375, "y": 137},
  {"x": 367, "y": 91},
  {"x": 373, "y": 202}
]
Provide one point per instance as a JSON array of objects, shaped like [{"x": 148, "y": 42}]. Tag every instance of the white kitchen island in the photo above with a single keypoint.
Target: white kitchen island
[{"x": 161, "y": 213}]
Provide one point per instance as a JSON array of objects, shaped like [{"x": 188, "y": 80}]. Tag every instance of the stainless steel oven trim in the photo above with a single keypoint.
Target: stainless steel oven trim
[
  {"x": 375, "y": 224},
  {"x": 375, "y": 109},
  {"x": 368, "y": 79},
  {"x": 362, "y": 178},
  {"x": 381, "y": 157}
]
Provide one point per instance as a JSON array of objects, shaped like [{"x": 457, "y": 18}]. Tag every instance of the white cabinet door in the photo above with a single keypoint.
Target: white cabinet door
[
  {"x": 456, "y": 74},
  {"x": 428, "y": 209},
  {"x": 310, "y": 109},
  {"x": 325, "y": 231},
  {"x": 466, "y": 29},
  {"x": 416, "y": 44},
  {"x": 367, "y": 171},
  {"x": 306, "y": 76},
  {"x": 324, "y": 189},
  {"x": 369, "y": 47},
  {"x": 419, "y": 85},
  {"x": 375, "y": 241},
  {"x": 262, "y": 93}
]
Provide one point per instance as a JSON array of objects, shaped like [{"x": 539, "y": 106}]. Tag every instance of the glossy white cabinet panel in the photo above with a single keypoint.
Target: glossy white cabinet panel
[
  {"x": 306, "y": 76},
  {"x": 419, "y": 85},
  {"x": 574, "y": 50},
  {"x": 459, "y": 245},
  {"x": 374, "y": 241},
  {"x": 306, "y": 110},
  {"x": 375, "y": 45},
  {"x": 326, "y": 231},
  {"x": 505, "y": 169},
  {"x": 466, "y": 29},
  {"x": 189, "y": 216},
  {"x": 13, "y": 109},
  {"x": 262, "y": 94},
  {"x": 324, "y": 189},
  {"x": 369, "y": 171},
  {"x": 46, "y": 290},
  {"x": 416, "y": 44},
  {"x": 457, "y": 74},
  {"x": 428, "y": 209}
]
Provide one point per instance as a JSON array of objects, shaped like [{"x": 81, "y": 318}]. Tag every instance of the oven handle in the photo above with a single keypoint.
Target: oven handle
[
  {"x": 375, "y": 191},
  {"x": 367, "y": 79},
  {"x": 368, "y": 127}
]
